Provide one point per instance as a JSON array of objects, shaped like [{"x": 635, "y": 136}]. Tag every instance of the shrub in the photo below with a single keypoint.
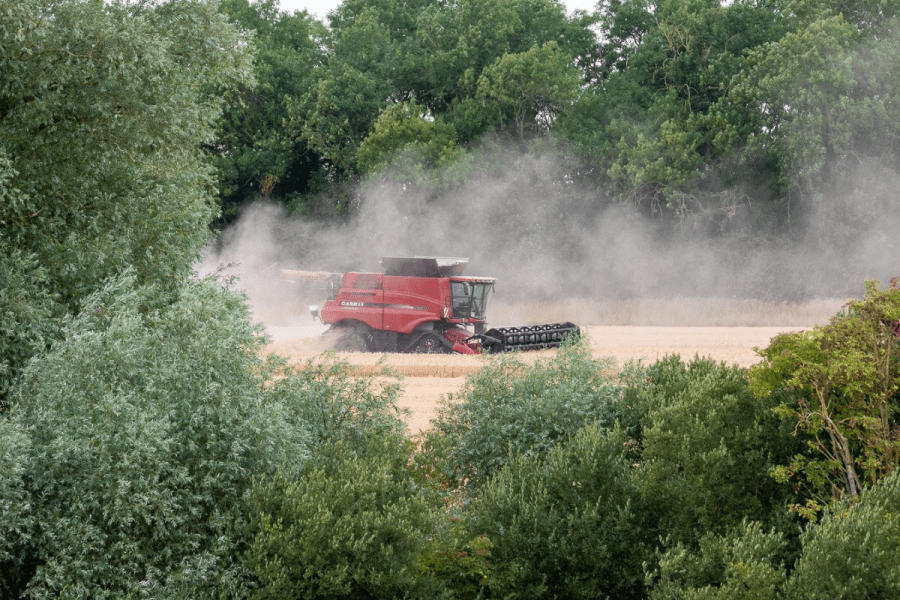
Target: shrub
[
  {"x": 706, "y": 449},
  {"x": 335, "y": 405},
  {"x": 563, "y": 525},
  {"x": 461, "y": 563},
  {"x": 16, "y": 515},
  {"x": 852, "y": 552},
  {"x": 745, "y": 564},
  {"x": 510, "y": 407},
  {"x": 353, "y": 526},
  {"x": 133, "y": 442}
]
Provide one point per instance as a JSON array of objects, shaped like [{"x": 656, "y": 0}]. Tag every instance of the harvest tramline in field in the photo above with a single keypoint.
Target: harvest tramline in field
[{"x": 420, "y": 304}]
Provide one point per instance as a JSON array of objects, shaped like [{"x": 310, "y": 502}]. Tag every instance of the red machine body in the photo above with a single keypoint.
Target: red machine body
[{"x": 419, "y": 304}]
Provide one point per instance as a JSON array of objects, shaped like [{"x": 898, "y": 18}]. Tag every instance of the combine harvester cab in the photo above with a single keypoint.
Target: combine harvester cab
[{"x": 420, "y": 305}]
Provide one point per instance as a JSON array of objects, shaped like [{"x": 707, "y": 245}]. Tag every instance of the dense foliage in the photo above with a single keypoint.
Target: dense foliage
[
  {"x": 132, "y": 442},
  {"x": 567, "y": 524},
  {"x": 352, "y": 526},
  {"x": 724, "y": 115},
  {"x": 845, "y": 379},
  {"x": 512, "y": 407},
  {"x": 706, "y": 446},
  {"x": 103, "y": 109}
]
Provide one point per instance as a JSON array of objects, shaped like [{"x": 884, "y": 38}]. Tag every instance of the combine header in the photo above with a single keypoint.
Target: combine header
[{"x": 421, "y": 305}]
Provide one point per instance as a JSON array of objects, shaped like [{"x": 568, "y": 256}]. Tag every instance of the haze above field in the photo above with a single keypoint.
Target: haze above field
[
  {"x": 627, "y": 165},
  {"x": 552, "y": 248}
]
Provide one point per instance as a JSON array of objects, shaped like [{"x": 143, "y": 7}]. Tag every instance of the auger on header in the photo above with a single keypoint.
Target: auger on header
[
  {"x": 420, "y": 304},
  {"x": 523, "y": 339}
]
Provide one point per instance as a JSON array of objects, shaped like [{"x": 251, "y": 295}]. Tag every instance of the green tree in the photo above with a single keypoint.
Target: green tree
[
  {"x": 16, "y": 564},
  {"x": 132, "y": 443},
  {"x": 355, "y": 83},
  {"x": 533, "y": 86},
  {"x": 338, "y": 112},
  {"x": 257, "y": 153},
  {"x": 403, "y": 128},
  {"x": 410, "y": 147},
  {"x": 846, "y": 377},
  {"x": 798, "y": 90},
  {"x": 821, "y": 103},
  {"x": 461, "y": 39},
  {"x": 849, "y": 553},
  {"x": 27, "y": 304},
  {"x": 103, "y": 112},
  {"x": 684, "y": 54},
  {"x": 387, "y": 52},
  {"x": 623, "y": 25}
]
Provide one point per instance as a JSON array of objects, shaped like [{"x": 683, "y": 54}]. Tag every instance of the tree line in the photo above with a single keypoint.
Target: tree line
[{"x": 692, "y": 111}]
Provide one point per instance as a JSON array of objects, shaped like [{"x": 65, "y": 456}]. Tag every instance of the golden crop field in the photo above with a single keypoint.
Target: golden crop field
[{"x": 646, "y": 330}]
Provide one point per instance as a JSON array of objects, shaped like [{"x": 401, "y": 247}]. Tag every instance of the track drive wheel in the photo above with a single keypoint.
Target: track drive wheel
[
  {"x": 349, "y": 340},
  {"x": 429, "y": 343}
]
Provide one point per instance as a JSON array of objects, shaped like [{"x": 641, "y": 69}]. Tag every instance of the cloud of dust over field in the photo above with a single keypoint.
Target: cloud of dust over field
[{"x": 545, "y": 241}]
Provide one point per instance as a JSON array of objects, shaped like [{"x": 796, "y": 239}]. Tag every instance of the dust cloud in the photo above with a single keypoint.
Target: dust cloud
[{"x": 545, "y": 240}]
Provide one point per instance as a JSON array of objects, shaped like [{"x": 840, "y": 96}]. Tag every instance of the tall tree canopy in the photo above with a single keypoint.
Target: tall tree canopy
[
  {"x": 688, "y": 109},
  {"x": 257, "y": 154},
  {"x": 104, "y": 107}
]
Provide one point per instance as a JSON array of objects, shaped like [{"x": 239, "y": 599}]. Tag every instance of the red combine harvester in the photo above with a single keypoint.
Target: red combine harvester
[{"x": 420, "y": 305}]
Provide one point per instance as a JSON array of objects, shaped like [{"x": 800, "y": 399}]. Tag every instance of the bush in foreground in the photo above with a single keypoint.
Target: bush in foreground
[
  {"x": 850, "y": 553},
  {"x": 512, "y": 407},
  {"x": 353, "y": 526},
  {"x": 336, "y": 405},
  {"x": 706, "y": 448},
  {"x": 132, "y": 443},
  {"x": 564, "y": 525}
]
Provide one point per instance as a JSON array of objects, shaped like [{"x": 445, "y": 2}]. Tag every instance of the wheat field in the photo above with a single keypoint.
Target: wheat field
[{"x": 726, "y": 330}]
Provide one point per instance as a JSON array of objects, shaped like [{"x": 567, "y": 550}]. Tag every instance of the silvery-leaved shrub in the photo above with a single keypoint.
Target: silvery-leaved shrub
[
  {"x": 336, "y": 404},
  {"x": 132, "y": 444}
]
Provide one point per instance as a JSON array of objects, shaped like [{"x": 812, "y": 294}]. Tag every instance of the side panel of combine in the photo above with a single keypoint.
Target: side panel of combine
[
  {"x": 421, "y": 304},
  {"x": 360, "y": 298},
  {"x": 411, "y": 301}
]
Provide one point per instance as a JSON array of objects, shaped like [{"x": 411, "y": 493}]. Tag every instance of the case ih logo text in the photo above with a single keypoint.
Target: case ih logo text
[{"x": 353, "y": 304}]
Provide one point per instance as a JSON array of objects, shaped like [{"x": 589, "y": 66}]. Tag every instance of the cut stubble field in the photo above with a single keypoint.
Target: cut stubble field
[{"x": 724, "y": 330}]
